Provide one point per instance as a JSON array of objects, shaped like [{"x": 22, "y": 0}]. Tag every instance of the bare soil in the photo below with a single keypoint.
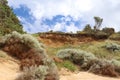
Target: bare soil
[
  {"x": 9, "y": 68},
  {"x": 67, "y": 75}
]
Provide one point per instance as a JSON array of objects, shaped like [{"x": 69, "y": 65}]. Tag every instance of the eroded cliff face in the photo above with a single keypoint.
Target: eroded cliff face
[{"x": 58, "y": 39}]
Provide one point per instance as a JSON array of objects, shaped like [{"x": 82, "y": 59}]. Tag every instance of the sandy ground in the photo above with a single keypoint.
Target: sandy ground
[
  {"x": 66, "y": 75},
  {"x": 9, "y": 70}
]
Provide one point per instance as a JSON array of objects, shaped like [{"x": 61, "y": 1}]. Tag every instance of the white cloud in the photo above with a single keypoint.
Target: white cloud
[
  {"x": 71, "y": 28},
  {"x": 79, "y": 9},
  {"x": 58, "y": 27}
]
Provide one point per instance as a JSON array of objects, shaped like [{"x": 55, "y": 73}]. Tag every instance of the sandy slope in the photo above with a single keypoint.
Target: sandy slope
[
  {"x": 65, "y": 75},
  {"x": 9, "y": 69}
]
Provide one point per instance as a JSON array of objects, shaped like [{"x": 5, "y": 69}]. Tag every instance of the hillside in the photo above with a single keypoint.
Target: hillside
[
  {"x": 91, "y": 54},
  {"x": 8, "y": 20},
  {"x": 9, "y": 69},
  {"x": 63, "y": 38}
]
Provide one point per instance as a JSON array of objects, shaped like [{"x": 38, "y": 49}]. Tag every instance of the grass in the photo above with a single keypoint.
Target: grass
[
  {"x": 3, "y": 54},
  {"x": 35, "y": 35},
  {"x": 67, "y": 64},
  {"x": 53, "y": 50},
  {"x": 97, "y": 48}
]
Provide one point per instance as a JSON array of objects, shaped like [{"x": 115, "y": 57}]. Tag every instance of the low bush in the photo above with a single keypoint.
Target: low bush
[
  {"x": 76, "y": 56},
  {"x": 100, "y": 35},
  {"x": 31, "y": 53},
  {"x": 34, "y": 73},
  {"x": 103, "y": 67},
  {"x": 116, "y": 64},
  {"x": 109, "y": 31},
  {"x": 115, "y": 36},
  {"x": 69, "y": 65},
  {"x": 112, "y": 46},
  {"x": 88, "y": 62}
]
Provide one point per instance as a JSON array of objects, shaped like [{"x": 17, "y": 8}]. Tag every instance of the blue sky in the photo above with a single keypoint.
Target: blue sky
[{"x": 65, "y": 15}]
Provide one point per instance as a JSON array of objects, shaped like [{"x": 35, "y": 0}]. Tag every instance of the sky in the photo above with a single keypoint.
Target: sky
[{"x": 65, "y": 15}]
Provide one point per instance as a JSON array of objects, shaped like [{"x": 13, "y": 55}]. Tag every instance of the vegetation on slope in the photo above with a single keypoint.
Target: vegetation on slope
[
  {"x": 8, "y": 20},
  {"x": 32, "y": 55},
  {"x": 87, "y": 61}
]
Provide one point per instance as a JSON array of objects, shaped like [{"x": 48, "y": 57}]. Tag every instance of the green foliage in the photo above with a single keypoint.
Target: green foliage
[
  {"x": 3, "y": 54},
  {"x": 115, "y": 36},
  {"x": 98, "y": 22},
  {"x": 77, "y": 56},
  {"x": 115, "y": 62},
  {"x": 88, "y": 62},
  {"x": 88, "y": 30},
  {"x": 103, "y": 67},
  {"x": 68, "y": 65},
  {"x": 112, "y": 46},
  {"x": 34, "y": 73},
  {"x": 30, "y": 52},
  {"x": 8, "y": 20},
  {"x": 100, "y": 35},
  {"x": 26, "y": 39},
  {"x": 109, "y": 31}
]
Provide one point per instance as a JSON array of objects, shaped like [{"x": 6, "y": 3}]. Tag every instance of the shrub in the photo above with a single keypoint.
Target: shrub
[
  {"x": 103, "y": 67},
  {"x": 115, "y": 36},
  {"x": 112, "y": 46},
  {"x": 34, "y": 73},
  {"x": 109, "y": 31},
  {"x": 116, "y": 64},
  {"x": 88, "y": 62},
  {"x": 77, "y": 56},
  {"x": 100, "y": 35},
  {"x": 69, "y": 65},
  {"x": 30, "y": 52},
  {"x": 88, "y": 29},
  {"x": 8, "y": 20}
]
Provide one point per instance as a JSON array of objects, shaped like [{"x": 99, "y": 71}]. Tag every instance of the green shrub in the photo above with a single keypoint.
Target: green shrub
[
  {"x": 31, "y": 53},
  {"x": 88, "y": 30},
  {"x": 8, "y": 20},
  {"x": 100, "y": 35},
  {"x": 69, "y": 65},
  {"x": 88, "y": 62},
  {"x": 115, "y": 36},
  {"x": 116, "y": 64},
  {"x": 34, "y": 73},
  {"x": 103, "y": 67},
  {"x": 112, "y": 46},
  {"x": 77, "y": 56},
  {"x": 109, "y": 31}
]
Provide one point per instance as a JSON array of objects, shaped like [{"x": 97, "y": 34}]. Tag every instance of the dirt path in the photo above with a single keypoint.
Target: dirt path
[{"x": 65, "y": 75}]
